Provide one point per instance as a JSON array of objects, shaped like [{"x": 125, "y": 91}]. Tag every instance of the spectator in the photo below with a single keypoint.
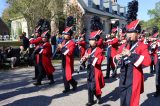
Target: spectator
[
  {"x": 76, "y": 39},
  {"x": 60, "y": 39},
  {"x": 25, "y": 40},
  {"x": 53, "y": 43},
  {"x": 76, "y": 52},
  {"x": 1, "y": 58},
  {"x": 8, "y": 56}
]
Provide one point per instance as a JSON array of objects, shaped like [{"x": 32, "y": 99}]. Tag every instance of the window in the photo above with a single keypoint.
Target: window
[
  {"x": 114, "y": 1},
  {"x": 101, "y": 4},
  {"x": 89, "y": 3}
]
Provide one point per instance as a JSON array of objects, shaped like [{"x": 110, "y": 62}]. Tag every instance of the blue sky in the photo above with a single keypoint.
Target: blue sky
[
  {"x": 144, "y": 6},
  {"x": 3, "y": 5}
]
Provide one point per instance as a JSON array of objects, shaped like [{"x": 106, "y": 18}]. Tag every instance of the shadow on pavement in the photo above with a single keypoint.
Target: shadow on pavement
[
  {"x": 112, "y": 96},
  {"x": 151, "y": 101},
  {"x": 147, "y": 75},
  {"x": 19, "y": 91},
  {"x": 36, "y": 101}
]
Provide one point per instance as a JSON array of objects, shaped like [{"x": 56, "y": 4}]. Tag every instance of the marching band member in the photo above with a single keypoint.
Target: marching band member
[
  {"x": 67, "y": 48},
  {"x": 94, "y": 57},
  {"x": 157, "y": 93},
  {"x": 153, "y": 48},
  {"x": 132, "y": 57},
  {"x": 155, "y": 53},
  {"x": 37, "y": 42},
  {"x": 82, "y": 46},
  {"x": 111, "y": 52},
  {"x": 45, "y": 65}
]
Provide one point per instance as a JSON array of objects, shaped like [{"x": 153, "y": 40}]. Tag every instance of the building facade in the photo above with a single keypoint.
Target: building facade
[
  {"x": 18, "y": 25},
  {"x": 108, "y": 10}
]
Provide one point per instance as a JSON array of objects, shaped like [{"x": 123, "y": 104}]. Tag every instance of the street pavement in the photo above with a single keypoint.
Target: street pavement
[{"x": 17, "y": 89}]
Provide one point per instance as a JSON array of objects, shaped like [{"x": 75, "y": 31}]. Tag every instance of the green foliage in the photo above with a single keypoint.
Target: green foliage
[
  {"x": 31, "y": 10},
  {"x": 155, "y": 18}
]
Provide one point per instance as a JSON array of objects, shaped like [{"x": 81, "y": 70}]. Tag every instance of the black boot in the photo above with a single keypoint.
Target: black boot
[
  {"x": 37, "y": 83},
  {"x": 107, "y": 72},
  {"x": 74, "y": 84},
  {"x": 34, "y": 78},
  {"x": 99, "y": 99},
  {"x": 90, "y": 104},
  {"x": 91, "y": 100},
  {"x": 51, "y": 78},
  {"x": 157, "y": 93},
  {"x": 66, "y": 90}
]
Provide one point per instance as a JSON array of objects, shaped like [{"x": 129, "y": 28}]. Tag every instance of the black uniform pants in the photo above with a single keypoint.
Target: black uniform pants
[
  {"x": 36, "y": 70},
  {"x": 91, "y": 94},
  {"x": 125, "y": 95},
  {"x": 109, "y": 68},
  {"x": 41, "y": 73},
  {"x": 152, "y": 67},
  {"x": 68, "y": 83}
]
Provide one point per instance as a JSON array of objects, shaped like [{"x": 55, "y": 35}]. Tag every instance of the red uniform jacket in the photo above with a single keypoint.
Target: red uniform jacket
[
  {"x": 153, "y": 51},
  {"x": 68, "y": 52},
  {"x": 100, "y": 43},
  {"x": 114, "y": 46},
  {"x": 98, "y": 75},
  {"x": 37, "y": 43},
  {"x": 82, "y": 46},
  {"x": 46, "y": 58},
  {"x": 139, "y": 57}
]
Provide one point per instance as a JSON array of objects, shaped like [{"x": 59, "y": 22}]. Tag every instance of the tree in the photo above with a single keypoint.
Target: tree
[
  {"x": 60, "y": 10},
  {"x": 31, "y": 10},
  {"x": 57, "y": 15},
  {"x": 54, "y": 10},
  {"x": 155, "y": 16},
  {"x": 7, "y": 15}
]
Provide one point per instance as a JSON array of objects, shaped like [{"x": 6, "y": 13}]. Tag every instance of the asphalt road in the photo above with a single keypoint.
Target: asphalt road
[{"x": 17, "y": 89}]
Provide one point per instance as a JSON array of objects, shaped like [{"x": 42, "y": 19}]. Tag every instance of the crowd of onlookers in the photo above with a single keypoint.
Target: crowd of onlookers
[
  {"x": 57, "y": 39},
  {"x": 15, "y": 56}
]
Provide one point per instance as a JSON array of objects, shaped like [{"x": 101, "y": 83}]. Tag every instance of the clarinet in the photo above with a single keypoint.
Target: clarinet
[
  {"x": 121, "y": 56},
  {"x": 81, "y": 62}
]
